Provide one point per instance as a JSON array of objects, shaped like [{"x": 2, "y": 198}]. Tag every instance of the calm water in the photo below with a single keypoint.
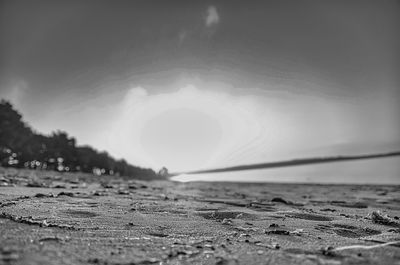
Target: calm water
[{"x": 373, "y": 171}]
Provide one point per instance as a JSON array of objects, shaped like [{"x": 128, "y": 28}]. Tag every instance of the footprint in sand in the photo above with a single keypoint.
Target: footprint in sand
[
  {"x": 80, "y": 214},
  {"x": 358, "y": 205},
  {"x": 351, "y": 231},
  {"x": 221, "y": 215},
  {"x": 346, "y": 230},
  {"x": 309, "y": 216}
]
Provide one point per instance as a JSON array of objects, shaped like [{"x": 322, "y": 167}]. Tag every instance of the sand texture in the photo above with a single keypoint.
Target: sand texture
[{"x": 53, "y": 218}]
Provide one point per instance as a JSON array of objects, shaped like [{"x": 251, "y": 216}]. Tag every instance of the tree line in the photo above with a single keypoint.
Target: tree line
[{"x": 21, "y": 147}]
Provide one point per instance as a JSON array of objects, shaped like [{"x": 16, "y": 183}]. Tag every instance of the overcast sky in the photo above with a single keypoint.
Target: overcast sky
[{"x": 194, "y": 84}]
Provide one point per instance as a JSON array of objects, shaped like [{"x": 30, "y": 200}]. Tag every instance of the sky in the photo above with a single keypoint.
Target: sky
[{"x": 198, "y": 84}]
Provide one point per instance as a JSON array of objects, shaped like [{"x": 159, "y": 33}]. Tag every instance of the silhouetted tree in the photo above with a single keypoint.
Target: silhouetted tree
[{"x": 21, "y": 147}]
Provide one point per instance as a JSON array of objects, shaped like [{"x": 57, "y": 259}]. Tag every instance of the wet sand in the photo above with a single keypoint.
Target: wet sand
[{"x": 53, "y": 218}]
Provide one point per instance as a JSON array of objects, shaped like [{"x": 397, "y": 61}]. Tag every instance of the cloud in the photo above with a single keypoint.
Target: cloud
[
  {"x": 212, "y": 17},
  {"x": 181, "y": 37}
]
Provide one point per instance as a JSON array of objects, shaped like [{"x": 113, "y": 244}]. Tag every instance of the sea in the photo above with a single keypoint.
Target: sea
[{"x": 370, "y": 171}]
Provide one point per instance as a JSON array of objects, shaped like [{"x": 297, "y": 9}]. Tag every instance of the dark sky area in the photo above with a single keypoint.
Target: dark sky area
[
  {"x": 53, "y": 44},
  {"x": 67, "y": 57}
]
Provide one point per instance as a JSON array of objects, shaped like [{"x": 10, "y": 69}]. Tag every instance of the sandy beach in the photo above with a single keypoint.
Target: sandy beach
[
  {"x": 199, "y": 132},
  {"x": 53, "y": 218}
]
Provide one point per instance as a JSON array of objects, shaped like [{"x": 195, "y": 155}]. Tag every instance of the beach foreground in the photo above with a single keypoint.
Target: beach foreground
[{"x": 53, "y": 218}]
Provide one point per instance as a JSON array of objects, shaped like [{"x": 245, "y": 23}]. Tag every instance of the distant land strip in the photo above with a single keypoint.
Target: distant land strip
[{"x": 289, "y": 163}]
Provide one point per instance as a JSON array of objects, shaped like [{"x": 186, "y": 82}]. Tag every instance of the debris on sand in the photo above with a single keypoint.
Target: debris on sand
[
  {"x": 394, "y": 230},
  {"x": 157, "y": 234},
  {"x": 330, "y": 251},
  {"x": 328, "y": 210},
  {"x": 31, "y": 221},
  {"x": 66, "y": 193},
  {"x": 276, "y": 246},
  {"x": 278, "y": 232},
  {"x": 247, "y": 229},
  {"x": 281, "y": 200},
  {"x": 50, "y": 239},
  {"x": 378, "y": 218},
  {"x": 297, "y": 232},
  {"x": 8, "y": 203},
  {"x": 359, "y": 205},
  {"x": 123, "y": 192},
  {"x": 59, "y": 186},
  {"x": 100, "y": 193},
  {"x": 227, "y": 221},
  {"x": 41, "y": 195},
  {"x": 225, "y": 261},
  {"x": 36, "y": 184}
]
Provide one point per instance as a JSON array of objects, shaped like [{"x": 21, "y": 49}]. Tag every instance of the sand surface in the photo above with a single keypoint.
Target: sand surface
[{"x": 53, "y": 218}]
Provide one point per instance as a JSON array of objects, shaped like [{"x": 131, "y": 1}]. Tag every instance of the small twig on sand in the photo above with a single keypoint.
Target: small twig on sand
[
  {"x": 366, "y": 247},
  {"x": 331, "y": 251}
]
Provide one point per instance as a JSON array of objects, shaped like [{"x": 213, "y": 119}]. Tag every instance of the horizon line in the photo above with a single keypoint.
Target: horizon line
[{"x": 288, "y": 163}]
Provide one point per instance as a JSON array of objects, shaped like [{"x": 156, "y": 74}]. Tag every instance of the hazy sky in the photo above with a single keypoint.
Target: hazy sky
[{"x": 194, "y": 84}]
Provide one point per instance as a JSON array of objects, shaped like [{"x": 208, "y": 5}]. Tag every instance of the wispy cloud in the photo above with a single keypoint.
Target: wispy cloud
[
  {"x": 212, "y": 17},
  {"x": 181, "y": 37}
]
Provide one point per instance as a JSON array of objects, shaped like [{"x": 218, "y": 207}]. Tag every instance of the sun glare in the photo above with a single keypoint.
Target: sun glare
[
  {"x": 181, "y": 136},
  {"x": 184, "y": 130},
  {"x": 194, "y": 128}
]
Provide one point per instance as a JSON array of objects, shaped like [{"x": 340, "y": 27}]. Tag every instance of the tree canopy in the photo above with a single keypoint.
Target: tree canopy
[{"x": 21, "y": 147}]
